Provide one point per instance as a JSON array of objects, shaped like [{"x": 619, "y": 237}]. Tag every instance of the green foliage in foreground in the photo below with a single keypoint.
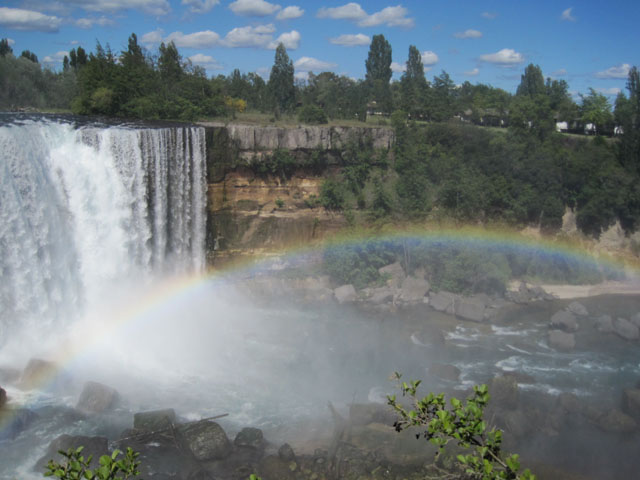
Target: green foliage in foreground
[
  {"x": 77, "y": 467},
  {"x": 462, "y": 423}
]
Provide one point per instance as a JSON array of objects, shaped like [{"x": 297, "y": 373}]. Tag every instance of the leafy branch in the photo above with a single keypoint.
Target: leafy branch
[
  {"x": 463, "y": 423},
  {"x": 76, "y": 467}
]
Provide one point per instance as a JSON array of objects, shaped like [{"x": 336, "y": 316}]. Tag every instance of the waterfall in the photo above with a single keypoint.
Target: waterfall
[{"x": 86, "y": 209}]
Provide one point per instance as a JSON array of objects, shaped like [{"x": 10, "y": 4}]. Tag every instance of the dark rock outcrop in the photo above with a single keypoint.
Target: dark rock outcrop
[
  {"x": 97, "y": 398},
  {"x": 286, "y": 453},
  {"x": 205, "y": 439},
  {"x": 154, "y": 420},
  {"x": 250, "y": 437}
]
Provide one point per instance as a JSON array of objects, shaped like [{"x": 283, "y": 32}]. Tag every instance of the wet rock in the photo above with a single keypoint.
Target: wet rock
[
  {"x": 249, "y": 437},
  {"x": 206, "y": 440},
  {"x": 564, "y": 321},
  {"x": 562, "y": 340},
  {"x": 154, "y": 420},
  {"x": 381, "y": 295},
  {"x": 470, "y": 308},
  {"x": 36, "y": 372},
  {"x": 345, "y": 294},
  {"x": 394, "y": 274},
  {"x": 414, "y": 289},
  {"x": 3, "y": 397},
  {"x": 578, "y": 309},
  {"x": 441, "y": 301},
  {"x": 616, "y": 421},
  {"x": 97, "y": 398},
  {"x": 604, "y": 324},
  {"x": 504, "y": 392},
  {"x": 286, "y": 453},
  {"x": 274, "y": 468},
  {"x": 446, "y": 372},
  {"x": 625, "y": 329},
  {"x": 94, "y": 446},
  {"x": 631, "y": 402}
]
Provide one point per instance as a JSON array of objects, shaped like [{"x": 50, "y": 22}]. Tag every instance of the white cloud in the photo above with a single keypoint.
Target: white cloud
[
  {"x": 154, "y": 7},
  {"x": 468, "y": 34},
  {"x": 489, "y": 15},
  {"x": 11, "y": 41},
  {"x": 289, "y": 13},
  {"x": 389, "y": 16},
  {"x": 205, "y": 61},
  {"x": 310, "y": 64},
  {"x": 619, "y": 71},
  {"x": 472, "y": 73},
  {"x": 152, "y": 38},
  {"x": 56, "y": 58},
  {"x": 609, "y": 91},
  {"x": 87, "y": 23},
  {"x": 566, "y": 15},
  {"x": 205, "y": 39},
  {"x": 301, "y": 76},
  {"x": 429, "y": 58},
  {"x": 291, "y": 40},
  {"x": 398, "y": 67},
  {"x": 200, "y": 6},
  {"x": 349, "y": 40},
  {"x": 253, "y": 8},
  {"x": 506, "y": 56},
  {"x": 256, "y": 37},
  {"x": 18, "y": 19}
]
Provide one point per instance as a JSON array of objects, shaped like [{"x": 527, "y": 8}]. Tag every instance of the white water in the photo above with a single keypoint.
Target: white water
[{"x": 87, "y": 212}]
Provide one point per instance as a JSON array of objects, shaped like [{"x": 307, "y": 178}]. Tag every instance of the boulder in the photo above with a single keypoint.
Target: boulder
[
  {"x": 561, "y": 340},
  {"x": 631, "y": 402},
  {"x": 564, "y": 321},
  {"x": 97, "y": 398},
  {"x": 94, "y": 446},
  {"x": 249, "y": 437},
  {"x": 504, "y": 392},
  {"x": 206, "y": 440},
  {"x": 37, "y": 372},
  {"x": 154, "y": 420},
  {"x": 444, "y": 371},
  {"x": 381, "y": 295},
  {"x": 577, "y": 309},
  {"x": 286, "y": 453},
  {"x": 604, "y": 324},
  {"x": 394, "y": 274},
  {"x": 345, "y": 294},
  {"x": 441, "y": 301},
  {"x": 616, "y": 421},
  {"x": 625, "y": 329},
  {"x": 414, "y": 289},
  {"x": 470, "y": 308}
]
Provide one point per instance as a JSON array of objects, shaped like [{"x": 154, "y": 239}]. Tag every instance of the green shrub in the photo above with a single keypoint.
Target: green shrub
[
  {"x": 77, "y": 467},
  {"x": 312, "y": 114},
  {"x": 332, "y": 195}
]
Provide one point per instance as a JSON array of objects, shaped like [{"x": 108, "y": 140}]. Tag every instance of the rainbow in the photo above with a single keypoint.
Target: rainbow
[{"x": 184, "y": 289}]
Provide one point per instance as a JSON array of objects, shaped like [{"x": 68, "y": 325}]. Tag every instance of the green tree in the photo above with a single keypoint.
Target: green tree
[
  {"x": 627, "y": 113},
  {"x": 378, "y": 74},
  {"x": 413, "y": 84},
  {"x": 443, "y": 98},
  {"x": 531, "y": 82},
  {"x": 170, "y": 63},
  {"x": 29, "y": 56},
  {"x": 595, "y": 109},
  {"x": 5, "y": 48},
  {"x": 280, "y": 84},
  {"x": 462, "y": 423}
]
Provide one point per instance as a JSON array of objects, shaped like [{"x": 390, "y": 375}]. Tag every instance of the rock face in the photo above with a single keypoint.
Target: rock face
[
  {"x": 625, "y": 329},
  {"x": 564, "y": 321},
  {"x": 413, "y": 289},
  {"x": 562, "y": 340},
  {"x": 154, "y": 420},
  {"x": 95, "y": 446},
  {"x": 442, "y": 301},
  {"x": 36, "y": 372},
  {"x": 206, "y": 440},
  {"x": 97, "y": 398},
  {"x": 345, "y": 294}
]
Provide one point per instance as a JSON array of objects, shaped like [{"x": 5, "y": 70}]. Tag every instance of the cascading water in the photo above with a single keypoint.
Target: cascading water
[{"x": 88, "y": 209}]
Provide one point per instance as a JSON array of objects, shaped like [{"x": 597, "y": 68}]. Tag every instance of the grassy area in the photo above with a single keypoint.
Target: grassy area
[{"x": 289, "y": 120}]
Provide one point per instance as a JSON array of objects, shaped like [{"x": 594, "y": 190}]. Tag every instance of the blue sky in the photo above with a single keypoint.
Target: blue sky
[{"x": 587, "y": 43}]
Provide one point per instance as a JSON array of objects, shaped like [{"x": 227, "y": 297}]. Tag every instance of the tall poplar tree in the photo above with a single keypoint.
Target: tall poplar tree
[
  {"x": 378, "y": 74},
  {"x": 280, "y": 85},
  {"x": 413, "y": 84}
]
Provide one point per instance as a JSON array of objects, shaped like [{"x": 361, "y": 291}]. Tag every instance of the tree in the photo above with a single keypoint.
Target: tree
[
  {"x": 5, "y": 48},
  {"x": 595, "y": 109},
  {"x": 413, "y": 84},
  {"x": 280, "y": 83},
  {"x": 170, "y": 63},
  {"x": 29, "y": 56},
  {"x": 628, "y": 114},
  {"x": 443, "y": 97},
  {"x": 378, "y": 65},
  {"x": 531, "y": 82},
  {"x": 462, "y": 423}
]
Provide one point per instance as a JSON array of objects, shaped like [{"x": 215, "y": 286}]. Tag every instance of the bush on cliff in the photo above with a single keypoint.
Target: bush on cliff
[{"x": 312, "y": 114}]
